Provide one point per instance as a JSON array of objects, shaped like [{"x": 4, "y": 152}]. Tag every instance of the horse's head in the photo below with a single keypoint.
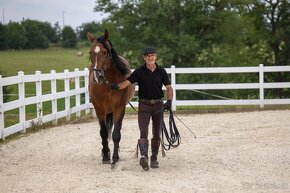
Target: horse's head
[
  {"x": 104, "y": 58},
  {"x": 100, "y": 55}
]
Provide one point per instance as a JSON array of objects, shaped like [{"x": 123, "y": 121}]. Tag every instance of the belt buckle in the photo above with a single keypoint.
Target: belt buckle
[{"x": 152, "y": 101}]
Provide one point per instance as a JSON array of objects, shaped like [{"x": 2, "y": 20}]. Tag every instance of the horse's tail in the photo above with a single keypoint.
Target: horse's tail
[{"x": 109, "y": 124}]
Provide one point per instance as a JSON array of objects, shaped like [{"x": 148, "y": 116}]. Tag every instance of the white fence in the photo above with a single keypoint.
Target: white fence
[
  {"x": 77, "y": 91},
  {"x": 261, "y": 85},
  {"x": 53, "y": 96}
]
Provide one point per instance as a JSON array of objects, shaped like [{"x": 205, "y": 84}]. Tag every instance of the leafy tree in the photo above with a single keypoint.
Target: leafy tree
[
  {"x": 186, "y": 32},
  {"x": 57, "y": 33},
  {"x": 69, "y": 37},
  {"x": 201, "y": 32},
  {"x": 3, "y": 42},
  {"x": 35, "y": 34},
  {"x": 15, "y": 36},
  {"x": 270, "y": 19},
  {"x": 92, "y": 27}
]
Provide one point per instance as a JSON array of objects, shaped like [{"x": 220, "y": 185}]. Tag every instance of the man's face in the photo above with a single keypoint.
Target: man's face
[{"x": 150, "y": 58}]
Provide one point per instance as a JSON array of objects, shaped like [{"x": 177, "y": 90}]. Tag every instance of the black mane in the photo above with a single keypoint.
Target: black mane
[{"x": 117, "y": 61}]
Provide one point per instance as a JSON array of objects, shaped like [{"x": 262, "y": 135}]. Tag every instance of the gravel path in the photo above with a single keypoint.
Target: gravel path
[{"x": 233, "y": 152}]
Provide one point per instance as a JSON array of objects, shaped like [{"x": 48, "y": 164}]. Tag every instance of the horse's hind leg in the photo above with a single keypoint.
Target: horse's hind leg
[{"x": 104, "y": 135}]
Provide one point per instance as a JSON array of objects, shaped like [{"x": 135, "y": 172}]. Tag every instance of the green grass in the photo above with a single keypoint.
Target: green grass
[
  {"x": 53, "y": 58},
  {"x": 29, "y": 61}
]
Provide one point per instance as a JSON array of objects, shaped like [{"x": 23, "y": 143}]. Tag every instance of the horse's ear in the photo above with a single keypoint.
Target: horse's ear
[
  {"x": 91, "y": 37},
  {"x": 106, "y": 35}
]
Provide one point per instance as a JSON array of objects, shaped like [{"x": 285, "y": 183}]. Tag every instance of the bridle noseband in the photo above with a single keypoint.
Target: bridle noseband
[{"x": 99, "y": 74}]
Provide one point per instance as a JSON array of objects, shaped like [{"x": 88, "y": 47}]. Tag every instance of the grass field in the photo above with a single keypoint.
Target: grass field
[
  {"x": 29, "y": 61},
  {"x": 53, "y": 58}
]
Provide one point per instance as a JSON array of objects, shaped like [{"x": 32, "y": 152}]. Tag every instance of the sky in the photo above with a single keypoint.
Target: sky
[{"x": 68, "y": 12}]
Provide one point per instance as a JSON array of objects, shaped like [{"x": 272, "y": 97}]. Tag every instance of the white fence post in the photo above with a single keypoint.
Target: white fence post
[
  {"x": 54, "y": 100},
  {"x": 87, "y": 97},
  {"x": 77, "y": 88},
  {"x": 1, "y": 109},
  {"x": 67, "y": 98},
  {"x": 261, "y": 81},
  {"x": 38, "y": 87},
  {"x": 21, "y": 97},
  {"x": 173, "y": 84}
]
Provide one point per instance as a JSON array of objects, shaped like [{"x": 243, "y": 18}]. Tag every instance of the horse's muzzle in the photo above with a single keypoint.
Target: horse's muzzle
[{"x": 99, "y": 76}]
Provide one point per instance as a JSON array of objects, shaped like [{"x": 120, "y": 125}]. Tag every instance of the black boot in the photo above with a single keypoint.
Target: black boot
[
  {"x": 143, "y": 145},
  {"x": 154, "y": 148}
]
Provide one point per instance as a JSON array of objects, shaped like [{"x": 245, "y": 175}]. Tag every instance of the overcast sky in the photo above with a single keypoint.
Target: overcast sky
[{"x": 69, "y": 12}]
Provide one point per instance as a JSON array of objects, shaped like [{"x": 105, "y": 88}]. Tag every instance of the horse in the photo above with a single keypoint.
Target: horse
[{"x": 108, "y": 67}]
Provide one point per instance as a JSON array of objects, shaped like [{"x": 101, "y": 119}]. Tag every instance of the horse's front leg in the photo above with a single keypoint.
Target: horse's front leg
[
  {"x": 104, "y": 135},
  {"x": 116, "y": 135},
  {"x": 116, "y": 139}
]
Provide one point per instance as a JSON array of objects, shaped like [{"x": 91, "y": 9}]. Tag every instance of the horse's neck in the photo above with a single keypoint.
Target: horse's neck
[{"x": 113, "y": 75}]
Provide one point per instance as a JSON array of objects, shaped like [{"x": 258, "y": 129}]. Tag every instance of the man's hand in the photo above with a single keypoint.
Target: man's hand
[
  {"x": 167, "y": 105},
  {"x": 114, "y": 87}
]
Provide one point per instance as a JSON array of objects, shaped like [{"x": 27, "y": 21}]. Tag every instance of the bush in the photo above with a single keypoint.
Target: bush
[
  {"x": 3, "y": 42},
  {"x": 35, "y": 35},
  {"x": 15, "y": 36},
  {"x": 69, "y": 37}
]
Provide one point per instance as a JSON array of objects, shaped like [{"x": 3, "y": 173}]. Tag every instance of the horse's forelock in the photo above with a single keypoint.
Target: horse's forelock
[
  {"x": 117, "y": 61},
  {"x": 101, "y": 39}
]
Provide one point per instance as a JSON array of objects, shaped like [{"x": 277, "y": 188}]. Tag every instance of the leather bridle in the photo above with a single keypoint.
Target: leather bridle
[{"x": 99, "y": 74}]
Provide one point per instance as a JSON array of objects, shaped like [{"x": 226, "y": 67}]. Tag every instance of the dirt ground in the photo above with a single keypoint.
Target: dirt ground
[{"x": 233, "y": 152}]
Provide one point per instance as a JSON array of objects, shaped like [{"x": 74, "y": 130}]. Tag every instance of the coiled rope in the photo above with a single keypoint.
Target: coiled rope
[{"x": 170, "y": 138}]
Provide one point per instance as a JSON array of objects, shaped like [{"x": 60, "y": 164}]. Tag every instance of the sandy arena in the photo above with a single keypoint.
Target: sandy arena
[{"x": 233, "y": 152}]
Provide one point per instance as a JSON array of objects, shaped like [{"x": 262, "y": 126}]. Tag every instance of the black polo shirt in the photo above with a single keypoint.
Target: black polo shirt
[{"x": 150, "y": 83}]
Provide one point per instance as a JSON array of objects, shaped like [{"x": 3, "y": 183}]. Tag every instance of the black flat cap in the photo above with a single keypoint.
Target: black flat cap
[{"x": 149, "y": 50}]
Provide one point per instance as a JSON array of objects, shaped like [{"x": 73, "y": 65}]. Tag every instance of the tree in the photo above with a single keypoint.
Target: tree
[
  {"x": 92, "y": 27},
  {"x": 35, "y": 34},
  {"x": 69, "y": 37},
  {"x": 57, "y": 33},
  {"x": 201, "y": 32},
  {"x": 186, "y": 32},
  {"x": 15, "y": 36},
  {"x": 271, "y": 20},
  {"x": 3, "y": 42}
]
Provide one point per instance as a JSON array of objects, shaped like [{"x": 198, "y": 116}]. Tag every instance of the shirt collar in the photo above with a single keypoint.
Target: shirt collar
[{"x": 144, "y": 66}]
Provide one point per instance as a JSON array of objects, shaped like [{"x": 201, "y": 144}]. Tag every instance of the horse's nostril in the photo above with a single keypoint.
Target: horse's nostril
[{"x": 99, "y": 75}]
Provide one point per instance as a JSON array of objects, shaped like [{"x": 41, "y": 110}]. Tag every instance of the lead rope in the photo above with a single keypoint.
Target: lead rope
[{"x": 172, "y": 136}]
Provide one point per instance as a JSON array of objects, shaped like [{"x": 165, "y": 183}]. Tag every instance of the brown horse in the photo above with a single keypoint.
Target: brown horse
[{"x": 108, "y": 67}]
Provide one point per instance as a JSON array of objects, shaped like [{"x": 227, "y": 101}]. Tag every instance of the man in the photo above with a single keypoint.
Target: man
[{"x": 150, "y": 78}]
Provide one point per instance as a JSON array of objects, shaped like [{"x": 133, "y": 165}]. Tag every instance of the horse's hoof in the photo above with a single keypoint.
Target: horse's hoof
[
  {"x": 113, "y": 166},
  {"x": 106, "y": 158},
  {"x": 106, "y": 161}
]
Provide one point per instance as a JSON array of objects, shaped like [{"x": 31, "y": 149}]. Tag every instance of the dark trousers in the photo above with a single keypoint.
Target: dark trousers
[{"x": 145, "y": 113}]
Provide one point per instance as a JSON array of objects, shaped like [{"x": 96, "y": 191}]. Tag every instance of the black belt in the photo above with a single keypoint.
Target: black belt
[{"x": 151, "y": 101}]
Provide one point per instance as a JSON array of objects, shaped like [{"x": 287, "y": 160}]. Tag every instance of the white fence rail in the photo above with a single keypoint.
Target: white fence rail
[
  {"x": 77, "y": 91},
  {"x": 22, "y": 102},
  {"x": 261, "y": 85}
]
